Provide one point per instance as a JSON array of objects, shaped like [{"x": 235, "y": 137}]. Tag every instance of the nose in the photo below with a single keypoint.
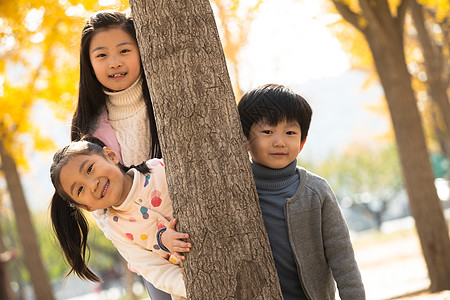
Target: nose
[
  {"x": 115, "y": 62},
  {"x": 93, "y": 184},
  {"x": 278, "y": 140}
]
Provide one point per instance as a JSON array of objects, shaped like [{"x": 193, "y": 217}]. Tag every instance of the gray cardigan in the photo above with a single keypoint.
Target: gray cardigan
[{"x": 320, "y": 241}]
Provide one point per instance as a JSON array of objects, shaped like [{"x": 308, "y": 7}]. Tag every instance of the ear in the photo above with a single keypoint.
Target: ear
[{"x": 111, "y": 155}]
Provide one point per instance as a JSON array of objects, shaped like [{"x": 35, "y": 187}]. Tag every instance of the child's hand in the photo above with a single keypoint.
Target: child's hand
[{"x": 171, "y": 239}]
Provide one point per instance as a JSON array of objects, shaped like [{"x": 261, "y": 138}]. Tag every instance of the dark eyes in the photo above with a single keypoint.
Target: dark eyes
[
  {"x": 287, "y": 132},
  {"x": 88, "y": 171},
  {"x": 124, "y": 51}
]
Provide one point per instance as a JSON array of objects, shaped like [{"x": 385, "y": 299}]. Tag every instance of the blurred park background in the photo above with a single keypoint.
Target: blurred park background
[{"x": 308, "y": 45}]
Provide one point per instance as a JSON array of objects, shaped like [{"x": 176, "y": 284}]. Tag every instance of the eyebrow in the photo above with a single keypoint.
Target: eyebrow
[
  {"x": 118, "y": 45},
  {"x": 81, "y": 169},
  {"x": 293, "y": 124}
]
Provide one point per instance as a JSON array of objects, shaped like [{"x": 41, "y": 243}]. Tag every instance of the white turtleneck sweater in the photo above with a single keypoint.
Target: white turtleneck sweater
[{"x": 127, "y": 114}]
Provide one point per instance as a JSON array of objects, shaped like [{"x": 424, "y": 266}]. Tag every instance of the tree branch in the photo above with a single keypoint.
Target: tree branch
[
  {"x": 401, "y": 12},
  {"x": 369, "y": 13},
  {"x": 348, "y": 14}
]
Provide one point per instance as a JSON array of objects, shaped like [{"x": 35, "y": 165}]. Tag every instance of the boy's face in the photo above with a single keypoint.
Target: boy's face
[
  {"x": 95, "y": 181},
  {"x": 274, "y": 146}
]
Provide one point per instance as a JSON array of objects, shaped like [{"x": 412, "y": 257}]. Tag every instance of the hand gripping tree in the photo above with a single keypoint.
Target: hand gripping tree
[{"x": 208, "y": 169}]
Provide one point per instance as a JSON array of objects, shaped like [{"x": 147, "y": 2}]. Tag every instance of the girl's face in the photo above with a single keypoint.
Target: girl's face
[
  {"x": 115, "y": 58},
  {"x": 95, "y": 181}
]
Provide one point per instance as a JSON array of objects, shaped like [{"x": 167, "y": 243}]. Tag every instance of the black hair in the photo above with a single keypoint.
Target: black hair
[
  {"x": 274, "y": 103},
  {"x": 91, "y": 98},
  {"x": 68, "y": 220}
]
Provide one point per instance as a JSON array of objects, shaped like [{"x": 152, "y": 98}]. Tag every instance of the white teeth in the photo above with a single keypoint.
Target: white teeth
[
  {"x": 117, "y": 75},
  {"x": 104, "y": 190}
]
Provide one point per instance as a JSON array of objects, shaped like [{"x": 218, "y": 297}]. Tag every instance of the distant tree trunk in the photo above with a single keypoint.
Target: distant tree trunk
[
  {"x": 128, "y": 280},
  {"x": 30, "y": 246},
  {"x": 6, "y": 292},
  {"x": 5, "y": 286},
  {"x": 384, "y": 34},
  {"x": 208, "y": 170},
  {"x": 435, "y": 66}
]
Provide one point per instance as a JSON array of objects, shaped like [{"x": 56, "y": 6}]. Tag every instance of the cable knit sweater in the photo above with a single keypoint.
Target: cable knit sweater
[{"x": 127, "y": 114}]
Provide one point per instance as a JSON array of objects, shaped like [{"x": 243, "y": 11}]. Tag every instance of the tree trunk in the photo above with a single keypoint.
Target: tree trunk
[
  {"x": 435, "y": 68},
  {"x": 424, "y": 202},
  {"x": 384, "y": 35},
  {"x": 128, "y": 280},
  {"x": 30, "y": 247},
  {"x": 6, "y": 292},
  {"x": 208, "y": 170}
]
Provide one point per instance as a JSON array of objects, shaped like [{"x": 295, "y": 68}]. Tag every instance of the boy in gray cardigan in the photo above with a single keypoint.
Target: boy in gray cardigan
[{"x": 308, "y": 235}]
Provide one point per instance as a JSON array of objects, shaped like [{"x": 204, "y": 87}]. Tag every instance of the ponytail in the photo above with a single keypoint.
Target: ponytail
[
  {"x": 69, "y": 223},
  {"x": 71, "y": 228}
]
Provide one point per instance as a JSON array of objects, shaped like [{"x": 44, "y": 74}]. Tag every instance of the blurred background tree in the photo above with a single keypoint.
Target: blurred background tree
[
  {"x": 38, "y": 64},
  {"x": 365, "y": 178},
  {"x": 234, "y": 19},
  {"x": 381, "y": 24}
]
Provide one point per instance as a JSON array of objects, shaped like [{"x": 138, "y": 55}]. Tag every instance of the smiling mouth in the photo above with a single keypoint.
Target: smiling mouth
[
  {"x": 117, "y": 75},
  {"x": 105, "y": 189}
]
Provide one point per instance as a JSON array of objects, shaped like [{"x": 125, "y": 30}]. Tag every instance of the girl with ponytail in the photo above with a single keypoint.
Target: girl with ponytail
[{"x": 130, "y": 205}]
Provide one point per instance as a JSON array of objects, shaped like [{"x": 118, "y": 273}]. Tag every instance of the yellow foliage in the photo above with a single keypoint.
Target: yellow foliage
[
  {"x": 355, "y": 45},
  {"x": 39, "y": 49},
  {"x": 353, "y": 42},
  {"x": 442, "y": 7},
  {"x": 234, "y": 20}
]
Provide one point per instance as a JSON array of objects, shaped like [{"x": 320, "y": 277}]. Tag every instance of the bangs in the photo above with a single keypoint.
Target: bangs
[{"x": 274, "y": 110}]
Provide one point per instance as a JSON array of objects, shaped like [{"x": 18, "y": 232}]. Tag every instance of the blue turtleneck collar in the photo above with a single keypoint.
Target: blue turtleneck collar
[{"x": 267, "y": 178}]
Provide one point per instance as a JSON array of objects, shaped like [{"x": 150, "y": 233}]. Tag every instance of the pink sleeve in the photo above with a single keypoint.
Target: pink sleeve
[{"x": 106, "y": 133}]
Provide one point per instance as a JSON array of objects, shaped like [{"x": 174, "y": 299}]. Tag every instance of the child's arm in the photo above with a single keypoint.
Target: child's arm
[
  {"x": 157, "y": 270},
  {"x": 339, "y": 250},
  {"x": 170, "y": 239}
]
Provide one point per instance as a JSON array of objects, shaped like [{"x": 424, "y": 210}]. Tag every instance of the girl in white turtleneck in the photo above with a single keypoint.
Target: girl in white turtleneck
[{"x": 114, "y": 103}]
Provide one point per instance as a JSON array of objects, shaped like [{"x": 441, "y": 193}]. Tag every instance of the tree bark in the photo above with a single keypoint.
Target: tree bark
[
  {"x": 208, "y": 171},
  {"x": 384, "y": 34},
  {"x": 30, "y": 246}
]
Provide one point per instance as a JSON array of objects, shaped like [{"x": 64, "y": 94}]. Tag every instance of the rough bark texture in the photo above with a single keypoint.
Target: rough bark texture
[
  {"x": 384, "y": 33},
  {"x": 208, "y": 169},
  {"x": 30, "y": 246}
]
